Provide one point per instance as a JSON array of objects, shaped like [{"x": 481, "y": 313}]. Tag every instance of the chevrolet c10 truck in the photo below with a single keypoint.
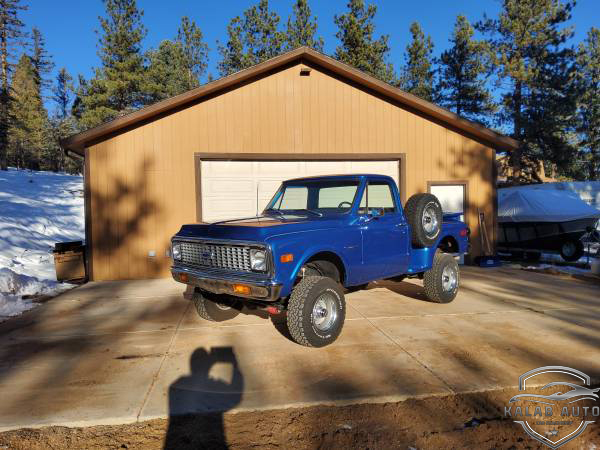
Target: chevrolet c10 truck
[{"x": 318, "y": 238}]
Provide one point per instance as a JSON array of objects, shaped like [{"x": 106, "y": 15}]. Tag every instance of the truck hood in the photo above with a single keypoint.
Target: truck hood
[{"x": 258, "y": 228}]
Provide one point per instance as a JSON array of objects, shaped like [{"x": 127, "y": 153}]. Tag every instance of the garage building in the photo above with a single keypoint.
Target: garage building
[{"x": 220, "y": 151}]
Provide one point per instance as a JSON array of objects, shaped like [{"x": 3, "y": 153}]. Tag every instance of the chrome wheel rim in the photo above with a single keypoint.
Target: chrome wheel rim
[
  {"x": 325, "y": 312},
  {"x": 222, "y": 306},
  {"x": 430, "y": 221},
  {"x": 449, "y": 279}
]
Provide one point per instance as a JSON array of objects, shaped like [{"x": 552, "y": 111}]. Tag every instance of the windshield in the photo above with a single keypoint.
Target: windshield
[{"x": 317, "y": 197}]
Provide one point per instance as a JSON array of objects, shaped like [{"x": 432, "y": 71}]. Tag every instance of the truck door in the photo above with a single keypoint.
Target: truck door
[{"x": 384, "y": 230}]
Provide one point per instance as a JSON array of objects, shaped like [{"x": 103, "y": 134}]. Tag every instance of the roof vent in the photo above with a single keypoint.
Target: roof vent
[{"x": 305, "y": 72}]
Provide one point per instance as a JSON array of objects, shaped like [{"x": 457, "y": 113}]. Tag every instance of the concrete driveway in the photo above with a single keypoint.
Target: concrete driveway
[{"x": 120, "y": 352}]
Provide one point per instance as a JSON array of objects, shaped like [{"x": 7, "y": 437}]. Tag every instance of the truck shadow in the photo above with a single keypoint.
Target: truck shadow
[
  {"x": 197, "y": 401},
  {"x": 404, "y": 288}
]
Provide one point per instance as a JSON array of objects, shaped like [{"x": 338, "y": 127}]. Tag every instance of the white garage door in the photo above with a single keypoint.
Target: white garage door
[{"x": 232, "y": 189}]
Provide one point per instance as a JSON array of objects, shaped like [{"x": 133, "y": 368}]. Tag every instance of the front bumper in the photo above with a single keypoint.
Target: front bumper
[{"x": 220, "y": 282}]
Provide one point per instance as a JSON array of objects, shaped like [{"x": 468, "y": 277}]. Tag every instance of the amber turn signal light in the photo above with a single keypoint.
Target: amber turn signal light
[
  {"x": 288, "y": 257},
  {"x": 183, "y": 277},
  {"x": 241, "y": 289}
]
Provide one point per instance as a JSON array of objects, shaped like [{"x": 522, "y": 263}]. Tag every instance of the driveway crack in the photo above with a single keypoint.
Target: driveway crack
[
  {"x": 393, "y": 341},
  {"x": 162, "y": 362}
]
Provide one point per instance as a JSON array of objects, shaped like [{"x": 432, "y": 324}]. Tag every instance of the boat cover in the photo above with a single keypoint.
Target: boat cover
[{"x": 527, "y": 204}]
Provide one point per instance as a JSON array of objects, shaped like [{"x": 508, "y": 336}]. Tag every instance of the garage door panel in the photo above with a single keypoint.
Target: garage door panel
[
  {"x": 266, "y": 189},
  {"x": 287, "y": 169},
  {"x": 389, "y": 168},
  {"x": 328, "y": 168},
  {"x": 232, "y": 189},
  {"x": 218, "y": 185},
  {"x": 220, "y": 209}
]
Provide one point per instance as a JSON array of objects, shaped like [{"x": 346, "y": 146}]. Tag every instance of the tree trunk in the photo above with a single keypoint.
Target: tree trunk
[
  {"x": 517, "y": 154},
  {"x": 4, "y": 98}
]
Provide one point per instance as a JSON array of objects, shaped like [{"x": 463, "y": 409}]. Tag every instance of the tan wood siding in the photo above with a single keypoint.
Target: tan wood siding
[{"x": 142, "y": 181}]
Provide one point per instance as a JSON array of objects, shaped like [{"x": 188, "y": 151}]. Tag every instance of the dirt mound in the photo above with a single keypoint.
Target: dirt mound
[{"x": 462, "y": 421}]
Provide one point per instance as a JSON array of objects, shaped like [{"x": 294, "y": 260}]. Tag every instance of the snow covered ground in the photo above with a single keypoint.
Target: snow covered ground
[{"x": 37, "y": 209}]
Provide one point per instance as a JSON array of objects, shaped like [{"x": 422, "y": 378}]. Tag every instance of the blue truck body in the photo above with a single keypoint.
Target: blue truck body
[{"x": 364, "y": 247}]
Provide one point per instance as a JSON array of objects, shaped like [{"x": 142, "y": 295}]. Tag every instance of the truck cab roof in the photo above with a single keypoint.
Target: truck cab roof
[{"x": 370, "y": 176}]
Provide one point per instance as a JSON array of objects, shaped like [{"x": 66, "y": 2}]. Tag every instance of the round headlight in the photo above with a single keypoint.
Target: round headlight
[
  {"x": 176, "y": 251},
  {"x": 258, "y": 260}
]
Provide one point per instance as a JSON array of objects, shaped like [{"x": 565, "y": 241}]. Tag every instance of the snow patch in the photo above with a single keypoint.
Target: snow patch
[{"x": 37, "y": 210}]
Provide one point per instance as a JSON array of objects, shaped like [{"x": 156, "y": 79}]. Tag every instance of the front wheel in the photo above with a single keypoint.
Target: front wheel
[
  {"x": 316, "y": 311},
  {"x": 442, "y": 280},
  {"x": 214, "y": 309}
]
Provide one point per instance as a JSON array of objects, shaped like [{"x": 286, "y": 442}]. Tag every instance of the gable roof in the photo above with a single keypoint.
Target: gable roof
[{"x": 78, "y": 142}]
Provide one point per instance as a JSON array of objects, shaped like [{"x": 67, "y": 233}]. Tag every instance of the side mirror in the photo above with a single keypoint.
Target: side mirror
[
  {"x": 376, "y": 212},
  {"x": 373, "y": 213}
]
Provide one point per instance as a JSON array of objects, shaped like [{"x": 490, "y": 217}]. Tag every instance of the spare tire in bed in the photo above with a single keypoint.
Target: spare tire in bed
[{"x": 424, "y": 215}]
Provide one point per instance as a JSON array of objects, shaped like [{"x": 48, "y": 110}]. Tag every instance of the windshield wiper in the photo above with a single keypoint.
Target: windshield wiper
[
  {"x": 317, "y": 213},
  {"x": 276, "y": 211}
]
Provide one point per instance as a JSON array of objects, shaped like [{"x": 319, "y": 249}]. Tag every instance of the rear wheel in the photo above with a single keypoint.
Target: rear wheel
[
  {"x": 571, "y": 250},
  {"x": 216, "y": 308},
  {"x": 442, "y": 280},
  {"x": 424, "y": 214},
  {"x": 316, "y": 311}
]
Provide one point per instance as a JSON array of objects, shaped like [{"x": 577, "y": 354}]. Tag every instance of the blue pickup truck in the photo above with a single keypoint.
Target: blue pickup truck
[{"x": 318, "y": 238}]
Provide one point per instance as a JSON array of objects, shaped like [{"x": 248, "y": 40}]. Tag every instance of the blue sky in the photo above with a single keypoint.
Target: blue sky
[{"x": 69, "y": 25}]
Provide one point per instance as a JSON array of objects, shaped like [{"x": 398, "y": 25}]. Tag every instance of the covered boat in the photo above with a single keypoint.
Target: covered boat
[{"x": 534, "y": 220}]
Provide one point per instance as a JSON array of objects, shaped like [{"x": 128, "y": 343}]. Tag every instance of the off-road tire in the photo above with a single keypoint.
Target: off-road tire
[
  {"x": 414, "y": 209},
  {"x": 578, "y": 250},
  {"x": 300, "y": 311},
  {"x": 214, "y": 308},
  {"x": 433, "y": 279}
]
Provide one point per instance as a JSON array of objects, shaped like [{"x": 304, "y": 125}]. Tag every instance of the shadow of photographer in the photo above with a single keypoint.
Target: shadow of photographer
[{"x": 198, "y": 401}]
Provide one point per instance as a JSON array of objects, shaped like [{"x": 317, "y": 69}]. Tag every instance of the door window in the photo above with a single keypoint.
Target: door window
[{"x": 378, "y": 195}]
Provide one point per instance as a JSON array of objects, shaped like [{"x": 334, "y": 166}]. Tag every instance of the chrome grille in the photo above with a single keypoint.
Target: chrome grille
[{"x": 221, "y": 256}]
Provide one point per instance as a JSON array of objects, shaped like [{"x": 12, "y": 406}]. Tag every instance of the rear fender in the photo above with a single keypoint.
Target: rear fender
[{"x": 421, "y": 259}]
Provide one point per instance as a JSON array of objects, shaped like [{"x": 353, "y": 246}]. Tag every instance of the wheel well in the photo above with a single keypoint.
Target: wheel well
[
  {"x": 330, "y": 264},
  {"x": 448, "y": 245}
]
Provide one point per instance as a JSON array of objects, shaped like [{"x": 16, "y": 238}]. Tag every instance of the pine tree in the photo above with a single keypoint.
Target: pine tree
[
  {"x": 418, "y": 73},
  {"x": 168, "y": 71},
  {"x": 463, "y": 70},
  {"x": 11, "y": 37},
  {"x": 233, "y": 57},
  {"x": 251, "y": 39},
  {"x": 62, "y": 125},
  {"x": 588, "y": 61},
  {"x": 41, "y": 60},
  {"x": 28, "y": 131},
  {"x": 526, "y": 45},
  {"x": 194, "y": 49},
  {"x": 302, "y": 28},
  {"x": 358, "y": 46},
  {"x": 63, "y": 93},
  {"x": 118, "y": 85},
  {"x": 80, "y": 92}
]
